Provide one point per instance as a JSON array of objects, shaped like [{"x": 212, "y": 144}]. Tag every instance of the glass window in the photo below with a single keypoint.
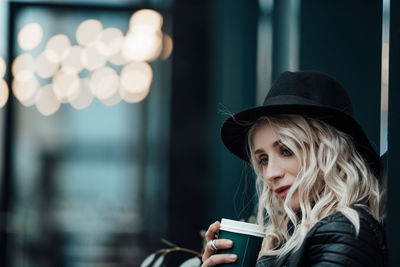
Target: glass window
[{"x": 90, "y": 185}]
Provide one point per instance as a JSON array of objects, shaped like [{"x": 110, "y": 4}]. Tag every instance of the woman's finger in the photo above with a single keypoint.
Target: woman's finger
[
  {"x": 218, "y": 259},
  {"x": 212, "y": 230},
  {"x": 219, "y": 243}
]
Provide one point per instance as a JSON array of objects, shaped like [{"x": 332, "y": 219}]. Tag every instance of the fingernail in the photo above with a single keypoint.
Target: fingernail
[
  {"x": 228, "y": 242},
  {"x": 233, "y": 257}
]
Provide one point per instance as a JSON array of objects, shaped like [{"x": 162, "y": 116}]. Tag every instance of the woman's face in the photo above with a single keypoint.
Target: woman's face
[{"x": 278, "y": 164}]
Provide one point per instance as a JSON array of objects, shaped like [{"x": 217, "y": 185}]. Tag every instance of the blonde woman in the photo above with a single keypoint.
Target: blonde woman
[{"x": 317, "y": 177}]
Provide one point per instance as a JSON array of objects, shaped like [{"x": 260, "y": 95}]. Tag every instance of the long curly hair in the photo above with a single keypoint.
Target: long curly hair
[{"x": 333, "y": 177}]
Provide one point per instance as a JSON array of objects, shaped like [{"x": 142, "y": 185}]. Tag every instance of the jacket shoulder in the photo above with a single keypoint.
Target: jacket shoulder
[{"x": 334, "y": 241}]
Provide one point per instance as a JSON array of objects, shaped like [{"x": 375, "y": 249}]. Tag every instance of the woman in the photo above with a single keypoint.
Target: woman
[{"x": 317, "y": 177}]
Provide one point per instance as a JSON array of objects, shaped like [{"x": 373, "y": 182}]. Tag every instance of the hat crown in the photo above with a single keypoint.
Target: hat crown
[{"x": 311, "y": 88}]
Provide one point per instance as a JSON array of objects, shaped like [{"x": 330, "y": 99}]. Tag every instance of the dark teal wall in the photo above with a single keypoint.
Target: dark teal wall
[
  {"x": 232, "y": 68},
  {"x": 343, "y": 38}
]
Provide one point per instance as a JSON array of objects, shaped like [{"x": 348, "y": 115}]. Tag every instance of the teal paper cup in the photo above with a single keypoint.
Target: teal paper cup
[{"x": 247, "y": 239}]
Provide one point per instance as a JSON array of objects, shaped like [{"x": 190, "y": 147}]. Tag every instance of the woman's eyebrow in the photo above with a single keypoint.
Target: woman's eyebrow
[
  {"x": 276, "y": 143},
  {"x": 259, "y": 151}
]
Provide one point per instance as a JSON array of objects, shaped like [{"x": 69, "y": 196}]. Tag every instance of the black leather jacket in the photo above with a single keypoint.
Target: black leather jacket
[{"x": 333, "y": 242}]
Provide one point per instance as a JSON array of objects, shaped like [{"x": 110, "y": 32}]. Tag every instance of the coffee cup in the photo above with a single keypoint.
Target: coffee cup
[{"x": 247, "y": 239}]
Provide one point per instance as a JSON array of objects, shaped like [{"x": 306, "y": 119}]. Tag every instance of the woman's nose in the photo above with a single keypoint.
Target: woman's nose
[{"x": 273, "y": 171}]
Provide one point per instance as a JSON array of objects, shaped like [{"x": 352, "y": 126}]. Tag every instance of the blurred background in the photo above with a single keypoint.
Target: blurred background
[{"x": 111, "y": 110}]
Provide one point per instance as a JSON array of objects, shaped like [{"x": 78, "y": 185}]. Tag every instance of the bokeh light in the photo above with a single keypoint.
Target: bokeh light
[
  {"x": 147, "y": 19},
  {"x": 110, "y": 41},
  {"x": 92, "y": 58},
  {"x": 104, "y": 83},
  {"x": 113, "y": 100},
  {"x": 66, "y": 86},
  {"x": 144, "y": 39},
  {"x": 45, "y": 68},
  {"x": 168, "y": 46},
  {"x": 85, "y": 96},
  {"x": 133, "y": 97},
  {"x": 118, "y": 59},
  {"x": 56, "y": 47},
  {"x": 23, "y": 67},
  {"x": 136, "y": 77},
  {"x": 4, "y": 93},
  {"x": 25, "y": 91},
  {"x": 88, "y": 31},
  {"x": 46, "y": 101},
  {"x": 72, "y": 60},
  {"x": 3, "y": 67},
  {"x": 142, "y": 45},
  {"x": 30, "y": 36}
]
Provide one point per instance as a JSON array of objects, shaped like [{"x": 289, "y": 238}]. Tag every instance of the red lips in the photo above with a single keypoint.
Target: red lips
[{"x": 282, "y": 190}]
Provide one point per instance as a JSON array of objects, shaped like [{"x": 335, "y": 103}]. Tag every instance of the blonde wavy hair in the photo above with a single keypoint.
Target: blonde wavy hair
[{"x": 333, "y": 178}]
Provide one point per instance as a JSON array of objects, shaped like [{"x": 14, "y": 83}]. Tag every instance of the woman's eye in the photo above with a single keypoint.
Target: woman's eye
[
  {"x": 286, "y": 152},
  {"x": 263, "y": 161}
]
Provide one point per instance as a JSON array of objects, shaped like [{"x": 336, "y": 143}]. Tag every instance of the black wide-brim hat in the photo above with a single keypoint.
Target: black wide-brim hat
[{"x": 307, "y": 93}]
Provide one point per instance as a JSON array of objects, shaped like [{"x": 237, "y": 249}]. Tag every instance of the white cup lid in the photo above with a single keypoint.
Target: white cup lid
[{"x": 242, "y": 227}]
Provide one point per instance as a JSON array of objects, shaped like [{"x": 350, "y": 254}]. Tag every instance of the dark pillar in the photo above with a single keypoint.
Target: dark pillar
[
  {"x": 214, "y": 65},
  {"x": 189, "y": 165},
  {"x": 343, "y": 38}
]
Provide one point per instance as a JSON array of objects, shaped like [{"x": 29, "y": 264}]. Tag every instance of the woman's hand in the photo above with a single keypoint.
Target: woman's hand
[{"x": 209, "y": 257}]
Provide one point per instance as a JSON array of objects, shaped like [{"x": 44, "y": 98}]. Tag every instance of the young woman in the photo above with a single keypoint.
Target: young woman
[{"x": 318, "y": 179}]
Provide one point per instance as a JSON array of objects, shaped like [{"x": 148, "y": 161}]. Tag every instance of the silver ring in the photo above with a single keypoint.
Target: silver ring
[{"x": 212, "y": 244}]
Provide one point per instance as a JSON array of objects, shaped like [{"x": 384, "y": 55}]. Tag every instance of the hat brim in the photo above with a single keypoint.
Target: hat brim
[{"x": 234, "y": 130}]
